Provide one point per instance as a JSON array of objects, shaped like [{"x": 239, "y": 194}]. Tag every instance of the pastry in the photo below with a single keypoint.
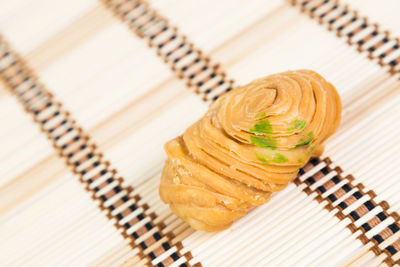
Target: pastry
[{"x": 251, "y": 143}]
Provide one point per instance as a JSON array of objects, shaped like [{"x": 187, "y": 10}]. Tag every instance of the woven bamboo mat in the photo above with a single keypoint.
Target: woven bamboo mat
[{"x": 91, "y": 90}]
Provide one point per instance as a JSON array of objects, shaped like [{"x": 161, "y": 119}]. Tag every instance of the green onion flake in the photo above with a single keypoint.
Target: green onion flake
[
  {"x": 279, "y": 158},
  {"x": 261, "y": 158},
  {"x": 263, "y": 142},
  {"x": 262, "y": 127},
  {"x": 261, "y": 115},
  {"x": 307, "y": 139},
  {"x": 297, "y": 125}
]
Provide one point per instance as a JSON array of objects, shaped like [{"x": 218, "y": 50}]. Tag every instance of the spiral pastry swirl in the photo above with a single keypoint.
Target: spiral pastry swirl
[{"x": 249, "y": 144}]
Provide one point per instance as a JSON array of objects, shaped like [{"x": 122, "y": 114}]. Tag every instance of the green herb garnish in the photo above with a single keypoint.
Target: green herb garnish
[
  {"x": 263, "y": 142},
  {"x": 279, "y": 158},
  {"x": 261, "y": 115},
  {"x": 262, "y": 127},
  {"x": 311, "y": 149},
  {"x": 297, "y": 125},
  {"x": 261, "y": 158},
  {"x": 305, "y": 140}
]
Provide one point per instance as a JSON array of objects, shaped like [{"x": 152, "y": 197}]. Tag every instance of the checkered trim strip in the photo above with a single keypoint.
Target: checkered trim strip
[
  {"x": 367, "y": 37},
  {"x": 185, "y": 60},
  {"x": 118, "y": 202},
  {"x": 349, "y": 202}
]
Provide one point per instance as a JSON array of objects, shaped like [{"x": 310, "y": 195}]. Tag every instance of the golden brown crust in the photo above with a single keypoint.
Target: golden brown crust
[{"x": 250, "y": 143}]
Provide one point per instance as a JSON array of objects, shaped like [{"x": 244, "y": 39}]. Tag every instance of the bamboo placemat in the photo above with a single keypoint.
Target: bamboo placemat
[{"x": 92, "y": 199}]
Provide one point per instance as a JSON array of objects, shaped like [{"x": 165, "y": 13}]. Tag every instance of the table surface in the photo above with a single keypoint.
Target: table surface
[{"x": 130, "y": 95}]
